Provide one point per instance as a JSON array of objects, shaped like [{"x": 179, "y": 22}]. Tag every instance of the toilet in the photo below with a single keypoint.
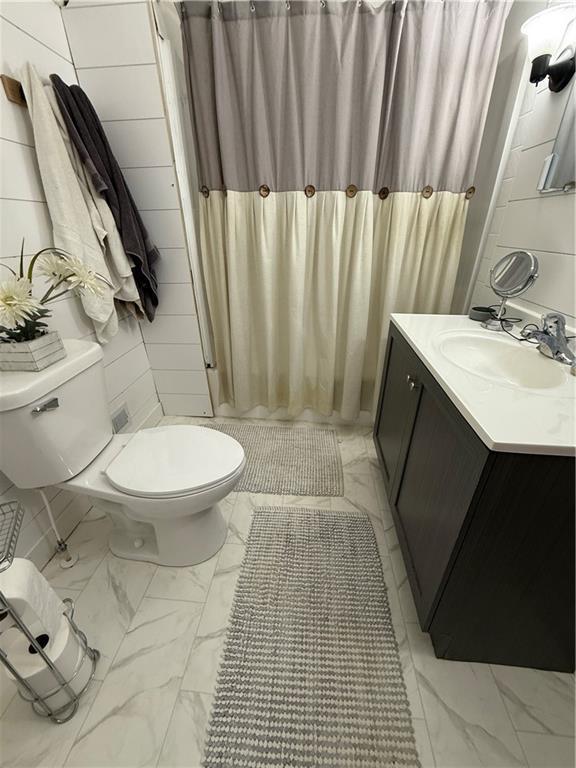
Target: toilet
[{"x": 161, "y": 487}]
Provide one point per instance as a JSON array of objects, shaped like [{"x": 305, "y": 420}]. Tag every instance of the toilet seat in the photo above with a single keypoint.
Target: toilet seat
[{"x": 172, "y": 461}]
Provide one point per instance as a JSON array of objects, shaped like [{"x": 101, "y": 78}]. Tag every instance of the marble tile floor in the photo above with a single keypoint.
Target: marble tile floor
[{"x": 161, "y": 630}]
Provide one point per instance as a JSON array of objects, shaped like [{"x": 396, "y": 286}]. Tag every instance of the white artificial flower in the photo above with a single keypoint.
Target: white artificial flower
[
  {"x": 53, "y": 266},
  {"x": 70, "y": 271},
  {"x": 16, "y": 302}
]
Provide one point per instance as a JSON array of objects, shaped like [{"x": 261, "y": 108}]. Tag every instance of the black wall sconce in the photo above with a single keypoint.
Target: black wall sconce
[{"x": 546, "y": 31}]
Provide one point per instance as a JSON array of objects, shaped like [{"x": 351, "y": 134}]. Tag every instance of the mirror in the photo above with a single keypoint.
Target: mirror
[
  {"x": 559, "y": 172},
  {"x": 510, "y": 277},
  {"x": 514, "y": 274}
]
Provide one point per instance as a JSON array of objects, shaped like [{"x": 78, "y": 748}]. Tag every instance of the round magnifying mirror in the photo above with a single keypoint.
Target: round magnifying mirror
[
  {"x": 510, "y": 277},
  {"x": 514, "y": 274}
]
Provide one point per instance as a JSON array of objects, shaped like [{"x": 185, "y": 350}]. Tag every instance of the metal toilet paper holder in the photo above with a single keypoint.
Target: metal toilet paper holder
[{"x": 11, "y": 514}]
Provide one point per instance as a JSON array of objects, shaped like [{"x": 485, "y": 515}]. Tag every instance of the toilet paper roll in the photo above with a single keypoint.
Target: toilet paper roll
[
  {"x": 6, "y": 621},
  {"x": 16, "y": 646},
  {"x": 66, "y": 653},
  {"x": 31, "y": 596}
]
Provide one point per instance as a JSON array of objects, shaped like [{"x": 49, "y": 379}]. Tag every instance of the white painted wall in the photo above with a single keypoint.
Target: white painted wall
[
  {"x": 34, "y": 31},
  {"x": 526, "y": 219},
  {"x": 113, "y": 49}
]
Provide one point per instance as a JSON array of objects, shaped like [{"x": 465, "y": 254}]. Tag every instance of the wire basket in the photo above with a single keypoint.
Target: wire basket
[{"x": 11, "y": 514}]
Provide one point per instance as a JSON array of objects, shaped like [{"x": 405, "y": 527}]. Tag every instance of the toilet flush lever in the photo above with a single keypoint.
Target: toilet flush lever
[{"x": 49, "y": 405}]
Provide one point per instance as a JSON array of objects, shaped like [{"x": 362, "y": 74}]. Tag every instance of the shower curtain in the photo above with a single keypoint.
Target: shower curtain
[{"x": 336, "y": 146}]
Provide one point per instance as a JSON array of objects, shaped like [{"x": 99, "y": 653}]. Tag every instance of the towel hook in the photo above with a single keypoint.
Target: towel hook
[
  {"x": 13, "y": 90},
  {"x": 252, "y": 7}
]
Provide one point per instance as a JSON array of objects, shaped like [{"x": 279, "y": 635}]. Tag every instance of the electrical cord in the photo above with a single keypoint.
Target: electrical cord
[{"x": 493, "y": 309}]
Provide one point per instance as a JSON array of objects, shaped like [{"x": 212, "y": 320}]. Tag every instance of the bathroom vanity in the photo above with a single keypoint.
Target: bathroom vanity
[{"x": 475, "y": 436}]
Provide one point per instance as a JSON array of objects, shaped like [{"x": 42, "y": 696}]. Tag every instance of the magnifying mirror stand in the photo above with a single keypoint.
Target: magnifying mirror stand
[
  {"x": 511, "y": 276},
  {"x": 498, "y": 323}
]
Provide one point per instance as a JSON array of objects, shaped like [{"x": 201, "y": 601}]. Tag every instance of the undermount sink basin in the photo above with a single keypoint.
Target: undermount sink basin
[{"x": 507, "y": 362}]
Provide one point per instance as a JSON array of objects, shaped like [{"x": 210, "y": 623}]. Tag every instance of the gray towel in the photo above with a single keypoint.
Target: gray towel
[{"x": 87, "y": 135}]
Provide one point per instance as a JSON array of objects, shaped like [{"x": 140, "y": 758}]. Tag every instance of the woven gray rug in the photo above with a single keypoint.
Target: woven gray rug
[
  {"x": 310, "y": 674},
  {"x": 292, "y": 461}
]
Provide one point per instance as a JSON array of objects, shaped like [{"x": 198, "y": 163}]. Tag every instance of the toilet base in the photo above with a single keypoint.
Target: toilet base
[{"x": 180, "y": 542}]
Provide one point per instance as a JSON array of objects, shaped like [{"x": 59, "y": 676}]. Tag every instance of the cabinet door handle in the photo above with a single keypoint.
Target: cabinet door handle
[{"x": 412, "y": 383}]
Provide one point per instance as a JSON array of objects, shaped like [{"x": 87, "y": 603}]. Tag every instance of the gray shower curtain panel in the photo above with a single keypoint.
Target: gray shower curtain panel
[{"x": 381, "y": 105}]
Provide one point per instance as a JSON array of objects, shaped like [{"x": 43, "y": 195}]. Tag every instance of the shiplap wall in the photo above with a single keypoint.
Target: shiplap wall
[
  {"x": 526, "y": 219},
  {"x": 34, "y": 32},
  {"x": 115, "y": 57}
]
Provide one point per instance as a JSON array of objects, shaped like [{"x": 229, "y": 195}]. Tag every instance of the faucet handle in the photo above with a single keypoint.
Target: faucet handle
[{"x": 554, "y": 323}]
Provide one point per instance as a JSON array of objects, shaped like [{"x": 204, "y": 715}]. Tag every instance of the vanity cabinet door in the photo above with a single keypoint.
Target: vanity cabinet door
[
  {"x": 444, "y": 462},
  {"x": 398, "y": 403}
]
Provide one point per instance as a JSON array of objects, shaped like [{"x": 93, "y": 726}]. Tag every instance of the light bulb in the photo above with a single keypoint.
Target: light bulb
[{"x": 546, "y": 29}]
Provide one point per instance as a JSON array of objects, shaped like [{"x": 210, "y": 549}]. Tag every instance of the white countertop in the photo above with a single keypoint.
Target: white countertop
[{"x": 506, "y": 417}]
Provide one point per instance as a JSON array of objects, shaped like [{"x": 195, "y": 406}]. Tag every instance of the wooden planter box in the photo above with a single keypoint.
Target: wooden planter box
[{"x": 32, "y": 355}]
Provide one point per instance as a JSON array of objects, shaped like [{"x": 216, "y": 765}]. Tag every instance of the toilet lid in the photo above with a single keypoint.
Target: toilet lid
[{"x": 174, "y": 461}]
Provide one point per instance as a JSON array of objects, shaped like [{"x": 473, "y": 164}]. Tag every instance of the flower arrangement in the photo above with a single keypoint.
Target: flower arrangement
[{"x": 22, "y": 315}]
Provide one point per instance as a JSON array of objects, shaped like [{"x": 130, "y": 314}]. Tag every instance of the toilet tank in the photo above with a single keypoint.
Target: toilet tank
[{"x": 54, "y": 422}]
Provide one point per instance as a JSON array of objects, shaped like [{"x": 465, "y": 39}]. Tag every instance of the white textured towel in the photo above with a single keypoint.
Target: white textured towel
[{"x": 72, "y": 226}]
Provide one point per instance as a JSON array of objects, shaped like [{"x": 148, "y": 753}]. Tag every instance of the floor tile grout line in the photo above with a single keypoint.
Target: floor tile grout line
[
  {"x": 205, "y": 602},
  {"x": 426, "y": 725},
  {"x": 88, "y": 710},
  {"x": 405, "y": 623},
  {"x": 543, "y": 733},
  {"x": 178, "y": 692},
  {"x": 174, "y": 599},
  {"x": 169, "y": 723},
  {"x": 435, "y": 757},
  {"x": 509, "y": 716},
  {"x": 219, "y": 556},
  {"x": 189, "y": 655},
  {"x": 112, "y": 659},
  {"x": 523, "y": 751},
  {"x": 419, "y": 692},
  {"x": 424, "y": 720},
  {"x": 136, "y": 609}
]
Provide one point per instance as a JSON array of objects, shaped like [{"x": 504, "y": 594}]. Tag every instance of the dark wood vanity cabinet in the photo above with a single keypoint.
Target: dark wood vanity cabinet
[{"x": 487, "y": 537}]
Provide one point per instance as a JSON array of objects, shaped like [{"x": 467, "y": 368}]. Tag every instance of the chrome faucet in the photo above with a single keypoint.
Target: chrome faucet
[{"x": 552, "y": 340}]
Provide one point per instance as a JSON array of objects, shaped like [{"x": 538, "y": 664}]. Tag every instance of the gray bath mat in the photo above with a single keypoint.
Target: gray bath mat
[
  {"x": 291, "y": 461},
  {"x": 310, "y": 674}
]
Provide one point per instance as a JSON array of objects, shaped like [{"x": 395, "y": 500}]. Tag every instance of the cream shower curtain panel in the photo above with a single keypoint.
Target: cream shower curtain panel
[{"x": 336, "y": 146}]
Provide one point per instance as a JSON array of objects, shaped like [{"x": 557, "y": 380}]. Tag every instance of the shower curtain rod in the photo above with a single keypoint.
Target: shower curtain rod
[{"x": 245, "y": 9}]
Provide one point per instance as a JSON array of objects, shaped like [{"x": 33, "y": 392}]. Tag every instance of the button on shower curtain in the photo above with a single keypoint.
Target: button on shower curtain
[{"x": 336, "y": 145}]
